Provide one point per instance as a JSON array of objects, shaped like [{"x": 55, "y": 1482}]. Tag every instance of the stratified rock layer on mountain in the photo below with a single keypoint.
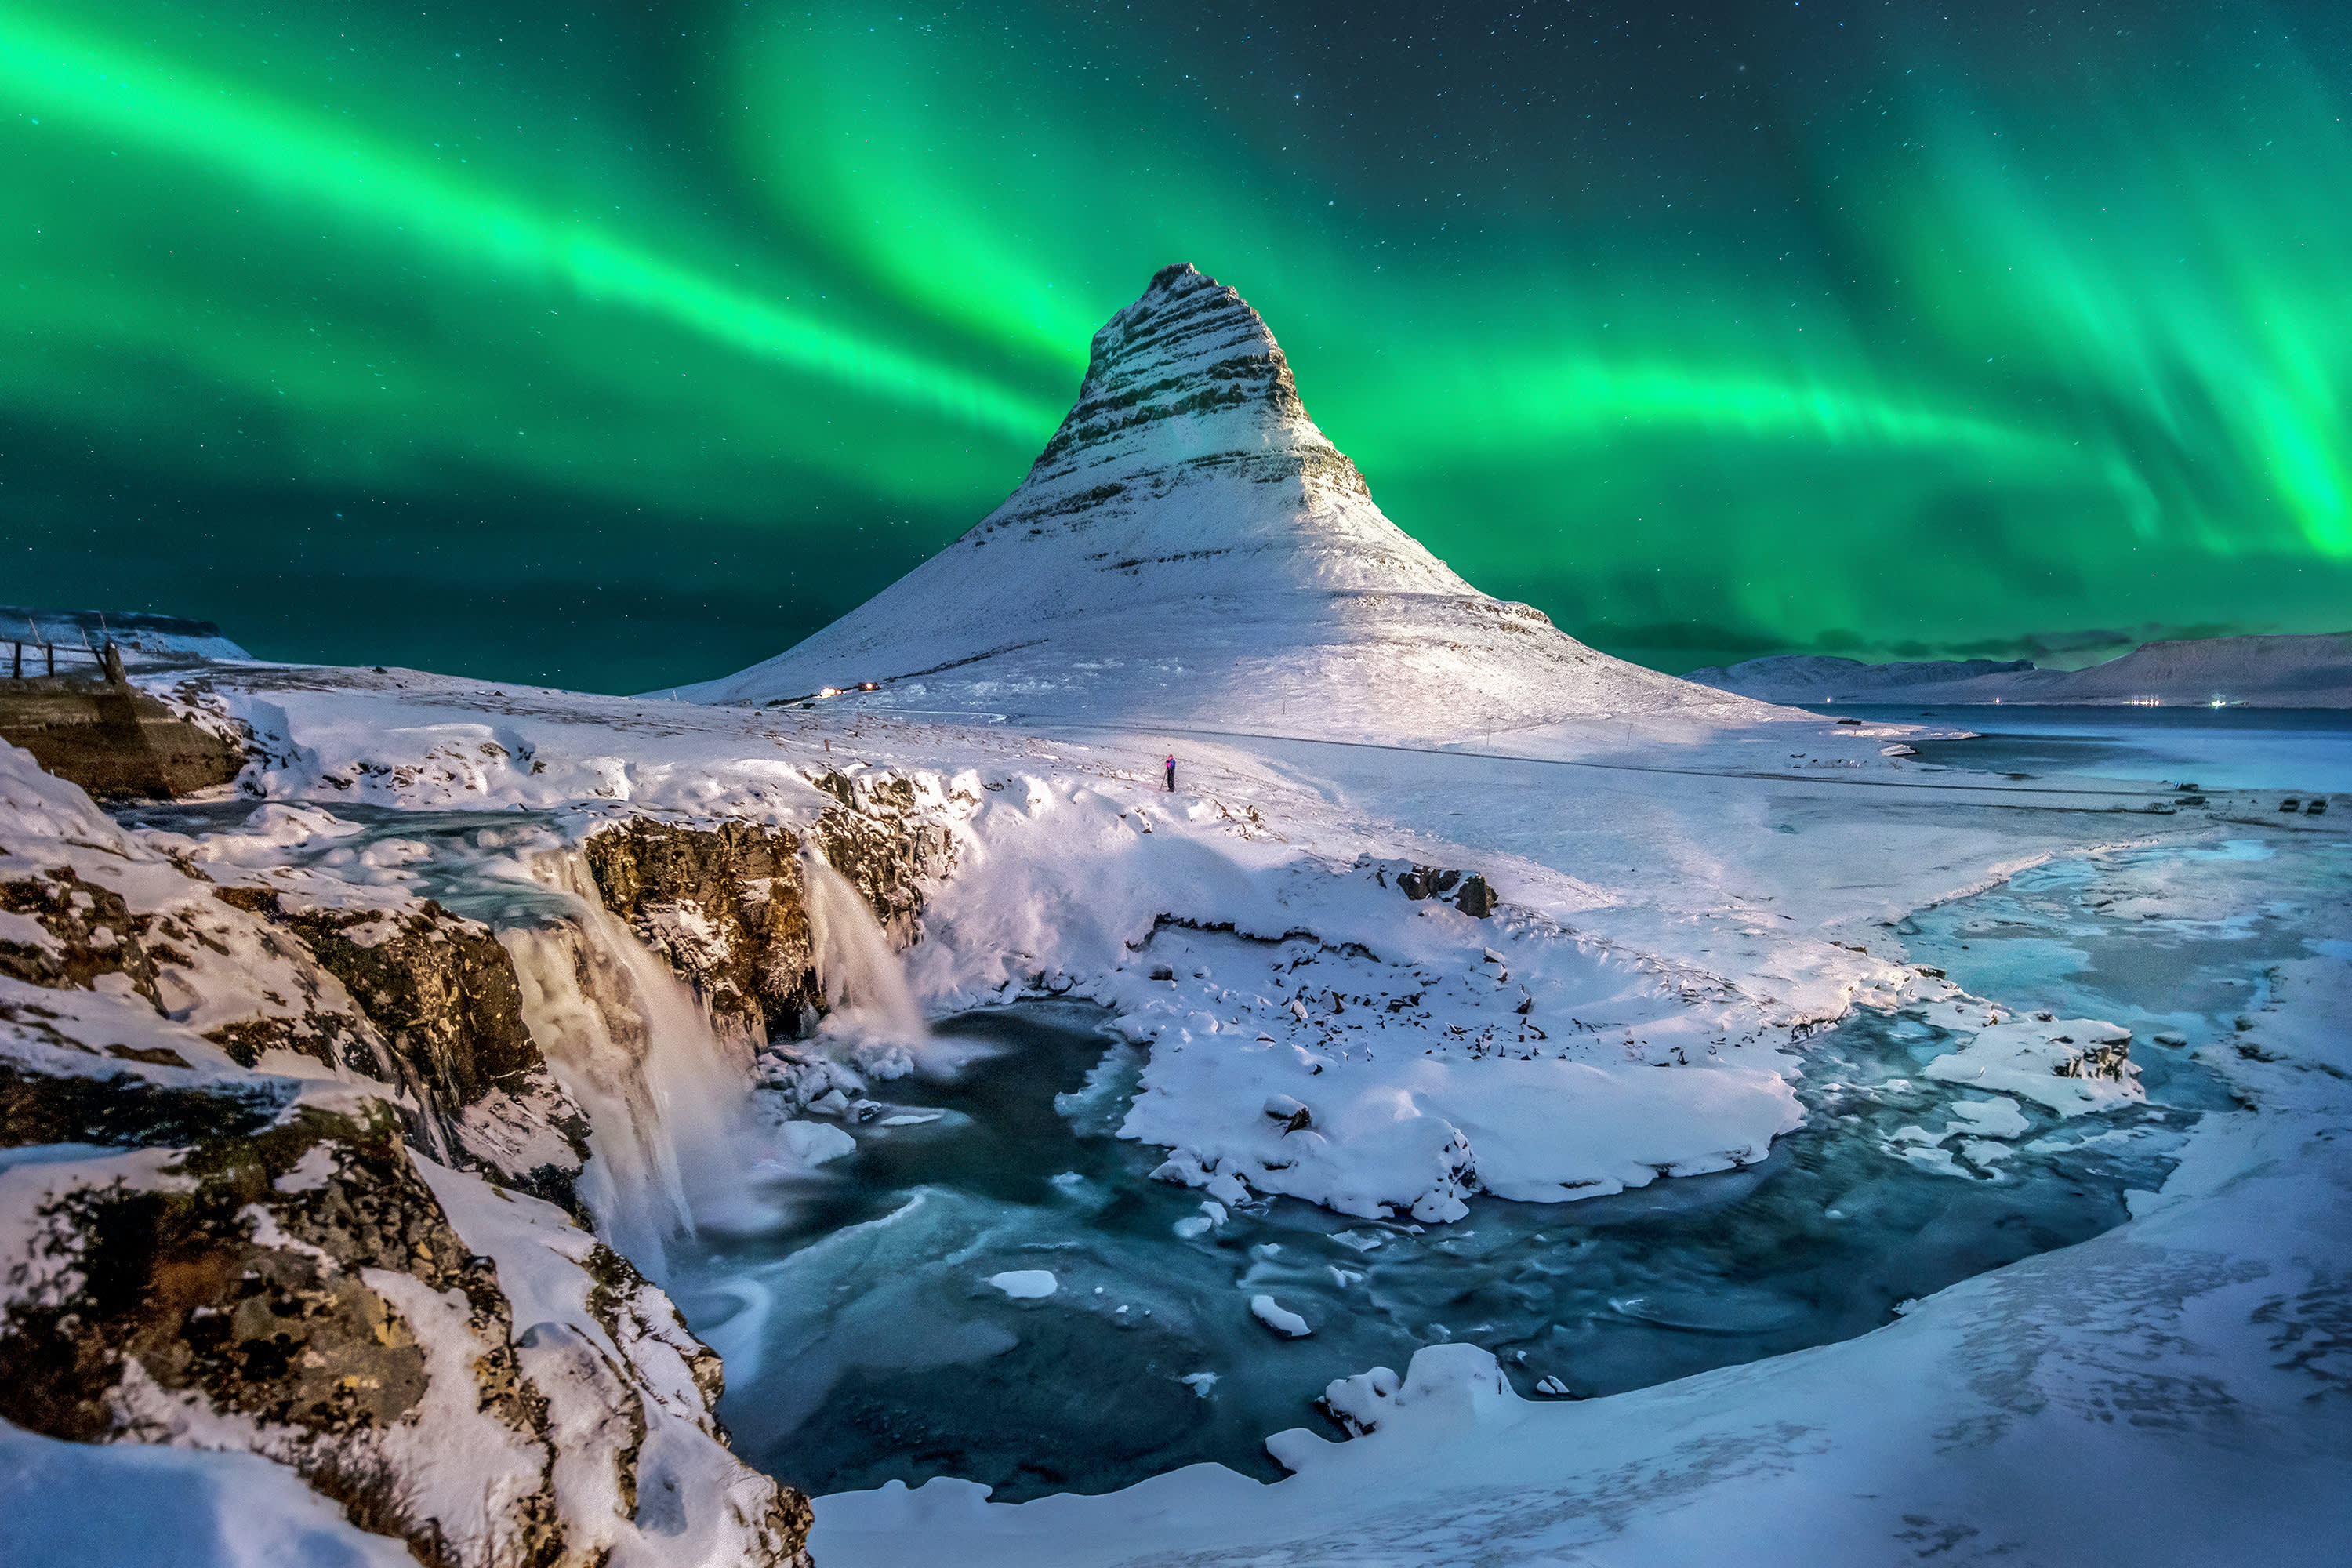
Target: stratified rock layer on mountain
[
  {"x": 1189, "y": 546},
  {"x": 2311, "y": 670}
]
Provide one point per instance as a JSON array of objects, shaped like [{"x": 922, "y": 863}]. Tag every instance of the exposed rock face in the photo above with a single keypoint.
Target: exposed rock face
[
  {"x": 726, "y": 903},
  {"x": 256, "y": 1262},
  {"x": 409, "y": 995},
  {"x": 441, "y": 993},
  {"x": 1473, "y": 895},
  {"x": 301, "y": 1293},
  {"x": 89, "y": 929},
  {"x": 116, "y": 743},
  {"x": 258, "y": 1282}
]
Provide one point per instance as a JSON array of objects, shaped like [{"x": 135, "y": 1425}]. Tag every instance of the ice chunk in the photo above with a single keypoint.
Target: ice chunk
[
  {"x": 1997, "y": 1118},
  {"x": 1210, "y": 1216},
  {"x": 814, "y": 1143},
  {"x": 1026, "y": 1284},
  {"x": 1270, "y": 1313},
  {"x": 2071, "y": 1065}
]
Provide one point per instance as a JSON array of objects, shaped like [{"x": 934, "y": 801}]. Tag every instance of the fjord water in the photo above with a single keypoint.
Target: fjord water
[{"x": 2307, "y": 749}]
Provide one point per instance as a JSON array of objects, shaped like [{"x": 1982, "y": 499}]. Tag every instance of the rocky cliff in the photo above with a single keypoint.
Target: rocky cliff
[
  {"x": 273, "y": 1148},
  {"x": 725, "y": 903}
]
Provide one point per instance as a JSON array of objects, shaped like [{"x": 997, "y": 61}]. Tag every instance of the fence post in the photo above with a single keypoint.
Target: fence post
[
  {"x": 50, "y": 652},
  {"x": 18, "y": 673}
]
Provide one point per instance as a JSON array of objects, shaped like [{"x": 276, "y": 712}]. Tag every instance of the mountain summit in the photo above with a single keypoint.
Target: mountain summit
[{"x": 1190, "y": 547}]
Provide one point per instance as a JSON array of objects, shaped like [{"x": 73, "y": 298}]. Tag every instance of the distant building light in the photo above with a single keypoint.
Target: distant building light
[
  {"x": 869, "y": 686},
  {"x": 828, "y": 692}
]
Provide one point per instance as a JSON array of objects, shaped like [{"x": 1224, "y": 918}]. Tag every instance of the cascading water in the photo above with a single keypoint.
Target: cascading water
[
  {"x": 666, "y": 1101},
  {"x": 865, "y": 985},
  {"x": 679, "y": 1142},
  {"x": 679, "y": 1137}
]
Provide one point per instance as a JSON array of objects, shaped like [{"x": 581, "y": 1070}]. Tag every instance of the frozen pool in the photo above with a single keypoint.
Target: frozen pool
[{"x": 876, "y": 1335}]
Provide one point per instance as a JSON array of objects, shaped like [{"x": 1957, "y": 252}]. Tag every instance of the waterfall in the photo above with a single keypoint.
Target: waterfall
[
  {"x": 865, "y": 985},
  {"x": 675, "y": 1143},
  {"x": 670, "y": 1128}
]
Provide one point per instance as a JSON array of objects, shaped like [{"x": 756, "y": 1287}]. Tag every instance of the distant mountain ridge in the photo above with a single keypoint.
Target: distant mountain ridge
[
  {"x": 142, "y": 637},
  {"x": 2294, "y": 670},
  {"x": 1190, "y": 546}
]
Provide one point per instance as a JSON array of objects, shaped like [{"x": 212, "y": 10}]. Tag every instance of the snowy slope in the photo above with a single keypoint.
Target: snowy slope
[
  {"x": 2298, "y": 671},
  {"x": 1188, "y": 545},
  {"x": 1673, "y": 887}
]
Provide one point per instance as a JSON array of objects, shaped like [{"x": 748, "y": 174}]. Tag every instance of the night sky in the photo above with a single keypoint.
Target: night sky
[{"x": 614, "y": 346}]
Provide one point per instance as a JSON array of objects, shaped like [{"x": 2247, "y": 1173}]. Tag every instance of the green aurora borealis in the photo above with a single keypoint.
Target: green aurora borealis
[{"x": 610, "y": 348}]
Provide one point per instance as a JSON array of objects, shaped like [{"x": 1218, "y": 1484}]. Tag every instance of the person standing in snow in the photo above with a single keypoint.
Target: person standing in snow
[{"x": 1171, "y": 773}]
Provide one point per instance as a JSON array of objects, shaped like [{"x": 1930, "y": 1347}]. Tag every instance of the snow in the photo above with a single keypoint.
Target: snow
[
  {"x": 597, "y": 1415},
  {"x": 1025, "y": 1284},
  {"x": 1270, "y": 1313},
  {"x": 2045, "y": 1062},
  {"x": 1191, "y": 546},
  {"x": 812, "y": 1143},
  {"x": 84, "y": 1503}
]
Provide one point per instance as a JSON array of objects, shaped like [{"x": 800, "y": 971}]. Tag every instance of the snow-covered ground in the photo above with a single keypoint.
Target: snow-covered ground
[{"x": 1677, "y": 902}]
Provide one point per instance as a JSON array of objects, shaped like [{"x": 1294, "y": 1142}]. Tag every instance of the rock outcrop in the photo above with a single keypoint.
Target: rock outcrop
[
  {"x": 231, "y": 1217},
  {"x": 116, "y": 741},
  {"x": 397, "y": 991},
  {"x": 727, "y": 902}
]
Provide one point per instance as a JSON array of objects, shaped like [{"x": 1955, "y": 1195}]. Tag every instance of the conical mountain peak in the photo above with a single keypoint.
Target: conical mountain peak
[
  {"x": 1188, "y": 346},
  {"x": 1190, "y": 546},
  {"x": 1189, "y": 442}
]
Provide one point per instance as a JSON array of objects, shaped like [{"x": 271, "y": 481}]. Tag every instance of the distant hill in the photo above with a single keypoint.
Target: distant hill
[
  {"x": 2309, "y": 670},
  {"x": 143, "y": 639}
]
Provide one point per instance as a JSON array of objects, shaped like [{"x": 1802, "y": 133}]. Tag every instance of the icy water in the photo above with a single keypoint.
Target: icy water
[
  {"x": 865, "y": 1342},
  {"x": 469, "y": 860},
  {"x": 2291, "y": 750}
]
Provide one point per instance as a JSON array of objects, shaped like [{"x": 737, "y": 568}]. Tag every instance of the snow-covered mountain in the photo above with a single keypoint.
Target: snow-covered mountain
[
  {"x": 1190, "y": 547},
  {"x": 145, "y": 639},
  {"x": 2312, "y": 670},
  {"x": 1825, "y": 678}
]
